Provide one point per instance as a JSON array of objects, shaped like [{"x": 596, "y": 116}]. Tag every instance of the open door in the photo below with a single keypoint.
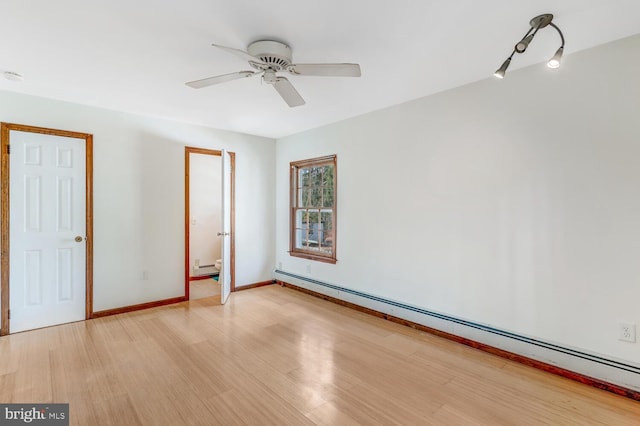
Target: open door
[
  {"x": 225, "y": 233},
  {"x": 226, "y": 194}
]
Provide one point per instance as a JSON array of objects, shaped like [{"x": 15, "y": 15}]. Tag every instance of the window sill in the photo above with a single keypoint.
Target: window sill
[{"x": 311, "y": 256}]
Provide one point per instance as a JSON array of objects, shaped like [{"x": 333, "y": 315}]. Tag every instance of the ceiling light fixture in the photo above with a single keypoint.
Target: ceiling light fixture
[{"x": 536, "y": 23}]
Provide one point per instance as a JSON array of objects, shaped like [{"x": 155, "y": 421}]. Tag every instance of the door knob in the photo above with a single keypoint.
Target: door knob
[
  {"x": 222, "y": 234},
  {"x": 78, "y": 239}
]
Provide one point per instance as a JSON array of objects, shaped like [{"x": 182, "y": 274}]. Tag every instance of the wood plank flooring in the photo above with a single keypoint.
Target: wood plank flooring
[
  {"x": 199, "y": 289},
  {"x": 275, "y": 356}
]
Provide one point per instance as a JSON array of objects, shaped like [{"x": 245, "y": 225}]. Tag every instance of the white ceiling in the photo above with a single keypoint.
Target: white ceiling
[{"x": 136, "y": 55}]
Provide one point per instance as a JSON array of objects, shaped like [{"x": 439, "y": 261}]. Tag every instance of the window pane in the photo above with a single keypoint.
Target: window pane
[
  {"x": 327, "y": 196},
  {"x": 311, "y": 237},
  {"x": 316, "y": 197},
  {"x": 304, "y": 195},
  {"x": 300, "y": 236},
  {"x": 312, "y": 216},
  {"x": 301, "y": 219},
  {"x": 328, "y": 176},
  {"x": 303, "y": 177},
  {"x": 316, "y": 175},
  {"x": 309, "y": 231},
  {"x": 326, "y": 220},
  {"x": 310, "y": 197}
]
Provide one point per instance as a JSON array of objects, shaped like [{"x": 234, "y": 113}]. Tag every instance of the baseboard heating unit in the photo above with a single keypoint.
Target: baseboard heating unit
[{"x": 617, "y": 376}]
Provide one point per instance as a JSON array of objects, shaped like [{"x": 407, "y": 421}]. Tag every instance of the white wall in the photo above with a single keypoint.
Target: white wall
[
  {"x": 513, "y": 203},
  {"x": 139, "y": 196},
  {"x": 205, "y": 194}
]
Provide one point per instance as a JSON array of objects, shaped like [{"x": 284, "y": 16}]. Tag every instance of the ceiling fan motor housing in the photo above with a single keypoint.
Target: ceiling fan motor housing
[{"x": 274, "y": 54}]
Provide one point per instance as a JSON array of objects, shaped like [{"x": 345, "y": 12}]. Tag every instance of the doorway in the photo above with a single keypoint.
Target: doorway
[
  {"x": 209, "y": 184},
  {"x": 46, "y": 227}
]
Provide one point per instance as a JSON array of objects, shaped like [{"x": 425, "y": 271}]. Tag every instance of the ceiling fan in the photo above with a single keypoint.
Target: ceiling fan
[{"x": 269, "y": 57}]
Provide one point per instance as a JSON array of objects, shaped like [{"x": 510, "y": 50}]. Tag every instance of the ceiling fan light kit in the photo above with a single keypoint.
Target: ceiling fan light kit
[
  {"x": 268, "y": 57},
  {"x": 536, "y": 24}
]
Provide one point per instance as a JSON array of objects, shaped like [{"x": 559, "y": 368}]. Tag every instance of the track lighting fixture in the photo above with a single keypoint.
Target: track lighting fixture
[
  {"x": 536, "y": 23},
  {"x": 522, "y": 45},
  {"x": 555, "y": 61},
  {"x": 500, "y": 71}
]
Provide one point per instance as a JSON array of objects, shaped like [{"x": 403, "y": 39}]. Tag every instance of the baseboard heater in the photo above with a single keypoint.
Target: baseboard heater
[
  {"x": 620, "y": 377},
  {"x": 204, "y": 270}
]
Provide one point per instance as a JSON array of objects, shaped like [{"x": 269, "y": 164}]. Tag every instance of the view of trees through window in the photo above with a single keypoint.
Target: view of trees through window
[{"x": 313, "y": 207}]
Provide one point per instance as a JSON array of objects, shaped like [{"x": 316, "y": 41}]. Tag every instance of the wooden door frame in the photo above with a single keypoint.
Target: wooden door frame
[
  {"x": 188, "y": 150},
  {"x": 5, "y": 129}
]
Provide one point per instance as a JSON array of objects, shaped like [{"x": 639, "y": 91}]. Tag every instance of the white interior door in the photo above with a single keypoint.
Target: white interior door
[
  {"x": 47, "y": 230},
  {"x": 225, "y": 234}
]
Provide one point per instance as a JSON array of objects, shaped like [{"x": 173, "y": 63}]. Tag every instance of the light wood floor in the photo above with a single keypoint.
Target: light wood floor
[
  {"x": 199, "y": 289},
  {"x": 272, "y": 355}
]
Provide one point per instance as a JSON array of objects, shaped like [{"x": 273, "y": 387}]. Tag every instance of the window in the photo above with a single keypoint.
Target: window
[{"x": 313, "y": 209}]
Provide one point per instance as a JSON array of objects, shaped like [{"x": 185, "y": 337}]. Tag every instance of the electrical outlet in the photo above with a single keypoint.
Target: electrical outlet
[
  {"x": 145, "y": 275},
  {"x": 280, "y": 266},
  {"x": 308, "y": 269},
  {"x": 196, "y": 263},
  {"x": 627, "y": 332}
]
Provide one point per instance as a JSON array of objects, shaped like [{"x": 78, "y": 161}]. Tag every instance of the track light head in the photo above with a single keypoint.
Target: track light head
[
  {"x": 554, "y": 62},
  {"x": 503, "y": 69},
  {"x": 522, "y": 45},
  {"x": 537, "y": 23}
]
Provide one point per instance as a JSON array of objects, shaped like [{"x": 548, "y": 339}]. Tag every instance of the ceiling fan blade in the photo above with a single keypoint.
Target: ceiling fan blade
[
  {"x": 198, "y": 84},
  {"x": 327, "y": 70},
  {"x": 288, "y": 92},
  {"x": 240, "y": 53}
]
